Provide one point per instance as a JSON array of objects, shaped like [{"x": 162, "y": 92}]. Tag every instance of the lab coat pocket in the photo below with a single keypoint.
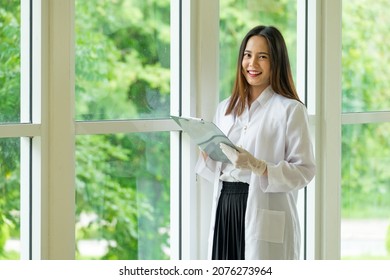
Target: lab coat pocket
[{"x": 271, "y": 225}]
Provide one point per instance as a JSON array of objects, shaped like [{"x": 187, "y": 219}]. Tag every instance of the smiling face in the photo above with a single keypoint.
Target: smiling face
[{"x": 256, "y": 65}]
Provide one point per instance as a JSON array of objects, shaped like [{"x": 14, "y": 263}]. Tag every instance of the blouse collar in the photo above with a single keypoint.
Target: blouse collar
[{"x": 265, "y": 96}]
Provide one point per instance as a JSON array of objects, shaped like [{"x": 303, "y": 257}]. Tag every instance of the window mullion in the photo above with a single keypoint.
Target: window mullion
[
  {"x": 366, "y": 117},
  {"x": 25, "y": 143},
  {"x": 59, "y": 165},
  {"x": 329, "y": 134}
]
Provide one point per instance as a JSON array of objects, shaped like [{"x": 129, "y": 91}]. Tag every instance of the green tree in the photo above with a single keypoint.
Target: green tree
[{"x": 122, "y": 59}]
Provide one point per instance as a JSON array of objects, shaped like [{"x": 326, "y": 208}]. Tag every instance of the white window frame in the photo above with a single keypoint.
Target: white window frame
[
  {"x": 200, "y": 29},
  {"x": 327, "y": 57}
]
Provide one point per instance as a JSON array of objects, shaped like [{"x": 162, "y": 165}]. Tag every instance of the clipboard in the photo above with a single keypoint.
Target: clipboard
[{"x": 206, "y": 135}]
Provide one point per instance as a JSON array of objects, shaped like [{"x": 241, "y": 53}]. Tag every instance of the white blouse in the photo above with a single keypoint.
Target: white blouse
[{"x": 240, "y": 132}]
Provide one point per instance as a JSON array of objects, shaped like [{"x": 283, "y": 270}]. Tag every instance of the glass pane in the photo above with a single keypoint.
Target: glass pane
[
  {"x": 9, "y": 61},
  {"x": 237, "y": 17},
  {"x": 365, "y": 56},
  {"x": 122, "y": 59},
  {"x": 123, "y": 196},
  {"x": 9, "y": 199},
  {"x": 365, "y": 227}
]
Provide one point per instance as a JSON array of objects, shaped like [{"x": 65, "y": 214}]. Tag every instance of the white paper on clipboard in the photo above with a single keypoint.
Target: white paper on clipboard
[{"x": 206, "y": 135}]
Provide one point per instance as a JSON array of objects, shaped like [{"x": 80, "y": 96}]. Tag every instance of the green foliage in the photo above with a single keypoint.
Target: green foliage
[
  {"x": 365, "y": 76},
  {"x": 122, "y": 59},
  {"x": 365, "y": 178},
  {"x": 9, "y": 61},
  {"x": 122, "y": 193},
  {"x": 4, "y": 233},
  {"x": 9, "y": 192}
]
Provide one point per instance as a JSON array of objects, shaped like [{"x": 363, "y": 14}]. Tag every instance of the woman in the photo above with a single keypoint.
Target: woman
[{"x": 254, "y": 214}]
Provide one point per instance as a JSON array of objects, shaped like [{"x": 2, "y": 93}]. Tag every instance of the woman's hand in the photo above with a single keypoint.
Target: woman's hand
[
  {"x": 242, "y": 159},
  {"x": 203, "y": 154}
]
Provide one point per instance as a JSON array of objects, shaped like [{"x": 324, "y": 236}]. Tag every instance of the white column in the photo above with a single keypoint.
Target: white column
[
  {"x": 189, "y": 89},
  {"x": 329, "y": 133},
  {"x": 207, "y": 101},
  {"x": 53, "y": 153}
]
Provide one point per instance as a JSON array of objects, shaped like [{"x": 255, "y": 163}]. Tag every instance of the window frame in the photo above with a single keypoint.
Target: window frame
[{"x": 326, "y": 56}]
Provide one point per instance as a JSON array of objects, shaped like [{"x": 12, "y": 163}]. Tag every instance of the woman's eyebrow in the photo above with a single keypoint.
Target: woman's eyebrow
[{"x": 248, "y": 51}]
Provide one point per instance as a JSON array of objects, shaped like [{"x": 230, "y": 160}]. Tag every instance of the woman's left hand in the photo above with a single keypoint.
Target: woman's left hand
[{"x": 242, "y": 159}]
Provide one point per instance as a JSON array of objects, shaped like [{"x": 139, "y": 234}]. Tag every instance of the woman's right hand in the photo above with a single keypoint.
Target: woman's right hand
[{"x": 204, "y": 154}]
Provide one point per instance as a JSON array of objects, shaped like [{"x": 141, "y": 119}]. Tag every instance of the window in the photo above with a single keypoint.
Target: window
[
  {"x": 123, "y": 196},
  {"x": 365, "y": 189},
  {"x": 122, "y": 60},
  {"x": 123, "y": 179}
]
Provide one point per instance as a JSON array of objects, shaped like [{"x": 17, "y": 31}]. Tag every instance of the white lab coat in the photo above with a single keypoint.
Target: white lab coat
[{"x": 282, "y": 139}]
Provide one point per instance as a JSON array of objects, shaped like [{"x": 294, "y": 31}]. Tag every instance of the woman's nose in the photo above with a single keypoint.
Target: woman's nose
[{"x": 252, "y": 61}]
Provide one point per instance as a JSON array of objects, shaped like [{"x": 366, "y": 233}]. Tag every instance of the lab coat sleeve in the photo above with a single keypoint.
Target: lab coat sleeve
[
  {"x": 297, "y": 168},
  {"x": 206, "y": 168}
]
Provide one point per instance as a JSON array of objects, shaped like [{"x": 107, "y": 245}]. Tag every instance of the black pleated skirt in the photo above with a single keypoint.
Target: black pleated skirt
[{"x": 229, "y": 230}]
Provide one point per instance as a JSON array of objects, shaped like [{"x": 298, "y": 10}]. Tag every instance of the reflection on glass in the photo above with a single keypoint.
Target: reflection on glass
[
  {"x": 9, "y": 199},
  {"x": 9, "y": 61},
  {"x": 122, "y": 59},
  {"x": 123, "y": 196},
  {"x": 365, "y": 56},
  {"x": 365, "y": 227},
  {"x": 237, "y": 17}
]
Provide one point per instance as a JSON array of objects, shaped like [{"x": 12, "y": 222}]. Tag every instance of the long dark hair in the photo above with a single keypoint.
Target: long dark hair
[{"x": 281, "y": 78}]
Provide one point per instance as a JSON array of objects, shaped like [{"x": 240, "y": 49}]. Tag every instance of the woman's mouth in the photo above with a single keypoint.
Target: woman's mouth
[{"x": 253, "y": 73}]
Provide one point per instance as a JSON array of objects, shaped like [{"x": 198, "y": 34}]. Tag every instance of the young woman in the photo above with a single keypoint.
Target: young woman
[{"x": 254, "y": 214}]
